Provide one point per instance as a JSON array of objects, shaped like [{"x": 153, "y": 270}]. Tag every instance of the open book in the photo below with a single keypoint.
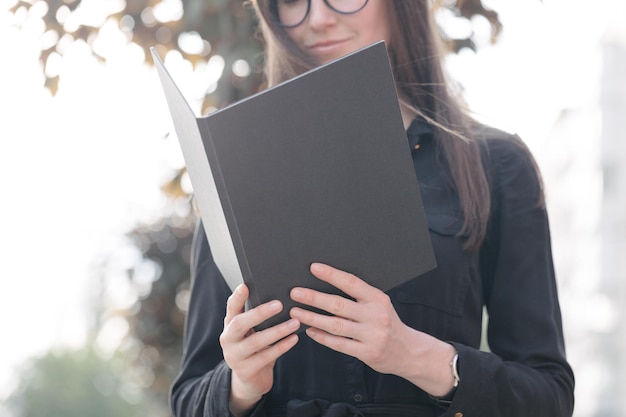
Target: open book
[{"x": 316, "y": 169}]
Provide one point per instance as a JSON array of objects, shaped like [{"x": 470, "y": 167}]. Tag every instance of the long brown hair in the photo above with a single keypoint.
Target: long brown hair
[{"x": 416, "y": 57}]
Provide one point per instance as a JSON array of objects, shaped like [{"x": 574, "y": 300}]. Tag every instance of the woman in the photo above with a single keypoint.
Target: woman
[{"x": 413, "y": 351}]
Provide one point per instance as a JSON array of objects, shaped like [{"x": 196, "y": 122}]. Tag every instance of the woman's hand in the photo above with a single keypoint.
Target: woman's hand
[
  {"x": 369, "y": 329},
  {"x": 251, "y": 355}
]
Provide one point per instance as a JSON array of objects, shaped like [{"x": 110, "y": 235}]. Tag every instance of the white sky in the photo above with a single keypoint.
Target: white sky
[{"x": 77, "y": 170}]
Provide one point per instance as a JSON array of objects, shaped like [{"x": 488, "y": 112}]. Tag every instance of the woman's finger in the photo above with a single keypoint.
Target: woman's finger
[
  {"x": 238, "y": 326},
  {"x": 350, "y": 284},
  {"x": 331, "y": 303},
  {"x": 236, "y": 303},
  {"x": 334, "y": 325},
  {"x": 259, "y": 342}
]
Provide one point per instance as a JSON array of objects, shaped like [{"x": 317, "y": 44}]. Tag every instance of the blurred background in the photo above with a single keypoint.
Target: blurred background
[{"x": 96, "y": 221}]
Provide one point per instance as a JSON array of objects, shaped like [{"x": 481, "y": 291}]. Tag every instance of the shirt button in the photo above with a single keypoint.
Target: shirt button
[
  {"x": 358, "y": 398},
  {"x": 458, "y": 415}
]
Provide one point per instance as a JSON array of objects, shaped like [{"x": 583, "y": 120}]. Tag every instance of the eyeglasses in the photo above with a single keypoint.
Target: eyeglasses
[{"x": 291, "y": 13}]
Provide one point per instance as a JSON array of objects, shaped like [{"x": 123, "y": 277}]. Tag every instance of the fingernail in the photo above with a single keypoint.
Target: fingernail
[
  {"x": 297, "y": 294},
  {"x": 311, "y": 332},
  {"x": 293, "y": 324},
  {"x": 317, "y": 268},
  {"x": 239, "y": 289},
  {"x": 275, "y": 306}
]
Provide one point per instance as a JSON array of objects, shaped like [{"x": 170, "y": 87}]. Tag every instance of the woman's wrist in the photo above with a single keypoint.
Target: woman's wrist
[
  {"x": 241, "y": 405},
  {"x": 431, "y": 363},
  {"x": 455, "y": 374}
]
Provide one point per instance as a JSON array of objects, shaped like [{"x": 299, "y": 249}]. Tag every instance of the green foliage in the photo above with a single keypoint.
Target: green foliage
[
  {"x": 157, "y": 319},
  {"x": 468, "y": 10},
  {"x": 76, "y": 383},
  {"x": 228, "y": 28}
]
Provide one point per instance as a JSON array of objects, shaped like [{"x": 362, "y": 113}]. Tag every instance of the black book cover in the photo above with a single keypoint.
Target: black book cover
[{"x": 316, "y": 169}]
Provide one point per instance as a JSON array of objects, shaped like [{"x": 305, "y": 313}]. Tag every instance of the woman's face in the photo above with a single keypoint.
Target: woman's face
[{"x": 327, "y": 35}]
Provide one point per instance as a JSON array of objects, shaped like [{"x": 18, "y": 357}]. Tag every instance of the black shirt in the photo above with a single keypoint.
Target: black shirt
[{"x": 525, "y": 373}]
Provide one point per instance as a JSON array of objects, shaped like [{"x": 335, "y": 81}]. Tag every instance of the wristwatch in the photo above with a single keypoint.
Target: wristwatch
[
  {"x": 447, "y": 399},
  {"x": 455, "y": 370}
]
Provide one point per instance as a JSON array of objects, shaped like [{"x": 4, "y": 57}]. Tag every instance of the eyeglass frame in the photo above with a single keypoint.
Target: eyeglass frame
[{"x": 273, "y": 9}]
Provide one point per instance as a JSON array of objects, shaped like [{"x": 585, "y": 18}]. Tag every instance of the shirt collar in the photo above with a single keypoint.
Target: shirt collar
[{"x": 416, "y": 131}]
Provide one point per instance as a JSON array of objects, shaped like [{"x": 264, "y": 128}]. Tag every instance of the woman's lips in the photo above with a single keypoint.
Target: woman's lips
[{"x": 327, "y": 48}]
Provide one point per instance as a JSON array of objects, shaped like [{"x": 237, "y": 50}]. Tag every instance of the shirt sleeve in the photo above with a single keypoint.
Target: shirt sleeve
[
  {"x": 525, "y": 373},
  {"x": 203, "y": 385}
]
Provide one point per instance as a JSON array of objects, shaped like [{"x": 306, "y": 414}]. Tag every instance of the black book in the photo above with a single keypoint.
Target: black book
[{"x": 315, "y": 169}]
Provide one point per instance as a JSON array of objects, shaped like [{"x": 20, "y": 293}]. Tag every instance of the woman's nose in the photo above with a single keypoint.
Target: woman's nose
[{"x": 320, "y": 15}]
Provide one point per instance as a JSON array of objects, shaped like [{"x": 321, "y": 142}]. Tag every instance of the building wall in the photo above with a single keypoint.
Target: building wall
[{"x": 613, "y": 225}]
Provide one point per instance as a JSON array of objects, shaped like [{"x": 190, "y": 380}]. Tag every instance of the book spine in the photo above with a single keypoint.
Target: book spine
[{"x": 232, "y": 262}]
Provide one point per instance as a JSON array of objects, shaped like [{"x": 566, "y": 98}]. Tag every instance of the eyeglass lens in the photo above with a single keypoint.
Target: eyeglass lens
[{"x": 291, "y": 13}]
